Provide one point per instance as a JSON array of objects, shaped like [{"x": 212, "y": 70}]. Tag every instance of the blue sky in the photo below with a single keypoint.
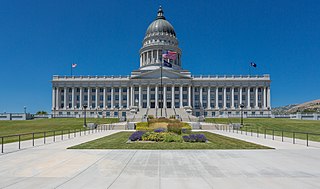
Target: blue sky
[{"x": 41, "y": 38}]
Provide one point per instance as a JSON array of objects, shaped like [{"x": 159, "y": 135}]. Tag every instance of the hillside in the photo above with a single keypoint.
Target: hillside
[{"x": 307, "y": 107}]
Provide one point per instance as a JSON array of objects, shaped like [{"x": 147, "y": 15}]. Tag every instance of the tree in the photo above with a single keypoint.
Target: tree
[{"x": 41, "y": 112}]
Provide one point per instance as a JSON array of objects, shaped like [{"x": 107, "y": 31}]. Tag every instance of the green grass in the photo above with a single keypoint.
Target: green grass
[
  {"x": 44, "y": 125},
  {"x": 290, "y": 125},
  {"x": 118, "y": 141}
]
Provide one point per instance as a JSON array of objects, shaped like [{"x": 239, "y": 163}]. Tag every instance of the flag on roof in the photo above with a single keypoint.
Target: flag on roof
[
  {"x": 253, "y": 64},
  {"x": 74, "y": 65},
  {"x": 169, "y": 55},
  {"x": 167, "y": 64}
]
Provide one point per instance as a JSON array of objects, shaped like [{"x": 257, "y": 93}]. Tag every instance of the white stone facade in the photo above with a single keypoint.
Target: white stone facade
[{"x": 113, "y": 96}]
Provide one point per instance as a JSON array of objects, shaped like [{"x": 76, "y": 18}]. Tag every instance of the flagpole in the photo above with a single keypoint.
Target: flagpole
[{"x": 71, "y": 69}]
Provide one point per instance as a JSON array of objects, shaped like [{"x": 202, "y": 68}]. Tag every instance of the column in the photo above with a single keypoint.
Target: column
[
  {"x": 104, "y": 97},
  {"x": 256, "y": 106},
  {"x": 217, "y": 97},
  {"x": 172, "y": 97},
  {"x": 164, "y": 95},
  {"x": 147, "y": 60},
  {"x": 264, "y": 98},
  {"x": 209, "y": 95},
  {"x": 240, "y": 96},
  {"x": 248, "y": 93},
  {"x": 140, "y": 96},
  {"x": 201, "y": 105},
  {"x": 96, "y": 102},
  {"x": 132, "y": 96},
  {"x": 120, "y": 97},
  {"x": 181, "y": 97},
  {"x": 193, "y": 96},
  {"x": 57, "y": 98},
  {"x": 224, "y": 97},
  {"x": 53, "y": 97},
  {"x": 156, "y": 96},
  {"x": 232, "y": 97},
  {"x": 73, "y": 98},
  {"x": 148, "y": 96},
  {"x": 189, "y": 95},
  {"x": 128, "y": 88},
  {"x": 89, "y": 99},
  {"x": 268, "y": 98},
  {"x": 65, "y": 98},
  {"x": 80, "y": 98},
  {"x": 112, "y": 90},
  {"x": 158, "y": 56}
]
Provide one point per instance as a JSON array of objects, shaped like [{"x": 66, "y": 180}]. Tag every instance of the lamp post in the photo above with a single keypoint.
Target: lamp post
[
  {"x": 241, "y": 107},
  {"x": 85, "y": 115},
  {"x": 25, "y": 109}
]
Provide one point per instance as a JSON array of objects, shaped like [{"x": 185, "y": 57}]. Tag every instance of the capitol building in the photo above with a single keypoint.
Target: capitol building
[{"x": 161, "y": 91}]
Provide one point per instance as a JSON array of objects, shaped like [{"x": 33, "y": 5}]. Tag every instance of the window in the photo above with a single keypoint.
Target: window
[
  {"x": 185, "y": 89},
  {"x": 93, "y": 97},
  {"x": 235, "y": 89},
  {"x": 101, "y": 105},
  {"x": 184, "y": 96},
  {"x": 204, "y": 89},
  {"x": 220, "y": 97},
  {"x": 116, "y": 97},
  {"x": 124, "y": 90},
  {"x": 228, "y": 89},
  {"x": 144, "y": 96},
  {"x": 235, "y": 97},
  {"x": 93, "y": 105},
  {"x": 78, "y": 90},
  {"x": 107, "y": 114},
  {"x": 197, "y": 97},
  {"x": 86, "y": 90},
  {"x": 78, "y": 98},
  {"x": 109, "y": 97},
  {"x": 93, "y": 90},
  {"x": 70, "y": 97},
  {"x": 101, "y": 98},
  {"x": 101, "y": 90},
  {"x": 70, "y": 90},
  {"x": 213, "y": 114},
  {"x": 176, "y": 89},
  {"x": 220, "y": 89},
  {"x": 85, "y": 97},
  {"x": 168, "y": 88},
  {"x": 109, "y": 91},
  {"x": 176, "y": 96},
  {"x": 117, "y": 89}
]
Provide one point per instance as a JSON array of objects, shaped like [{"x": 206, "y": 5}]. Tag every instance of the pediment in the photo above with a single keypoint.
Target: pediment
[{"x": 166, "y": 73}]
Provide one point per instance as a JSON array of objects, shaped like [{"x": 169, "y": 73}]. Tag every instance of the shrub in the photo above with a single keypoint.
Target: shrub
[
  {"x": 150, "y": 116},
  {"x": 152, "y": 136},
  {"x": 175, "y": 127},
  {"x": 186, "y": 129},
  {"x": 142, "y": 126},
  {"x": 171, "y": 137},
  {"x": 159, "y": 130},
  {"x": 136, "y": 136}
]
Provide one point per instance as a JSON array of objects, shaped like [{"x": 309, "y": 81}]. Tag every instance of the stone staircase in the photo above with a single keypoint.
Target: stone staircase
[{"x": 184, "y": 115}]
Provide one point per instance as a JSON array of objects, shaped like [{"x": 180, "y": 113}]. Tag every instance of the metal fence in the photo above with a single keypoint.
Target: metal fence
[
  {"x": 272, "y": 133},
  {"x": 48, "y": 135}
]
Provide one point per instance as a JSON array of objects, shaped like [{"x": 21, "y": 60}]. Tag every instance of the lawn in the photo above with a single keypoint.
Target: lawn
[
  {"x": 43, "y": 125},
  {"x": 118, "y": 141},
  {"x": 277, "y": 124}
]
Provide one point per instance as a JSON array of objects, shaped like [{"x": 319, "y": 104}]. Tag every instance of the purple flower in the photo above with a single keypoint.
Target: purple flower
[
  {"x": 186, "y": 138},
  {"x": 136, "y": 135},
  {"x": 159, "y": 130},
  {"x": 201, "y": 138}
]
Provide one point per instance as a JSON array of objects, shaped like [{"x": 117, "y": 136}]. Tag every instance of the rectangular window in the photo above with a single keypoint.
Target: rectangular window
[
  {"x": 176, "y": 96},
  {"x": 228, "y": 89},
  {"x": 70, "y": 90},
  {"x": 101, "y": 90},
  {"x": 168, "y": 88},
  {"x": 78, "y": 98},
  {"x": 219, "y": 89},
  {"x": 70, "y": 97},
  {"x": 116, "y": 97},
  {"x": 93, "y": 97},
  {"x": 78, "y": 90},
  {"x": 235, "y": 89},
  {"x": 101, "y": 98},
  {"x": 220, "y": 97},
  {"x": 93, "y": 90},
  {"x": 124, "y": 90},
  {"x": 116, "y": 89},
  {"x": 85, "y": 97}
]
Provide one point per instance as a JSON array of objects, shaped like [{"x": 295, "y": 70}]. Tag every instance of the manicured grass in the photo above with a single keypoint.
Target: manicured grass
[
  {"x": 44, "y": 125},
  {"x": 118, "y": 141},
  {"x": 291, "y": 125}
]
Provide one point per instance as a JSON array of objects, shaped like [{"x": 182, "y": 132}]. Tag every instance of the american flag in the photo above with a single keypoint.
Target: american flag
[
  {"x": 253, "y": 64},
  {"x": 169, "y": 55},
  {"x": 74, "y": 65}
]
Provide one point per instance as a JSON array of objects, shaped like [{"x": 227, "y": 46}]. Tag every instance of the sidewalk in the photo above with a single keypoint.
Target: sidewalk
[{"x": 268, "y": 141}]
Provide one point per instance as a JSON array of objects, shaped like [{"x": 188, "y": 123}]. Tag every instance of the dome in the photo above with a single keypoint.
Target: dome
[{"x": 160, "y": 25}]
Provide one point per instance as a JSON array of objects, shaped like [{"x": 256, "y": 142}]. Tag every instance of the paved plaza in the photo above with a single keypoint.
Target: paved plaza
[{"x": 53, "y": 166}]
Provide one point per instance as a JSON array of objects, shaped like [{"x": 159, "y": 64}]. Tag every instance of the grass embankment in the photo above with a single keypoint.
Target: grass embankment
[
  {"x": 276, "y": 124},
  {"x": 45, "y": 125},
  {"x": 118, "y": 141}
]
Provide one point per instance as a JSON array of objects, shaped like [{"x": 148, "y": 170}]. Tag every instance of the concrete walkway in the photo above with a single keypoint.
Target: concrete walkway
[
  {"x": 274, "y": 142},
  {"x": 53, "y": 166}
]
